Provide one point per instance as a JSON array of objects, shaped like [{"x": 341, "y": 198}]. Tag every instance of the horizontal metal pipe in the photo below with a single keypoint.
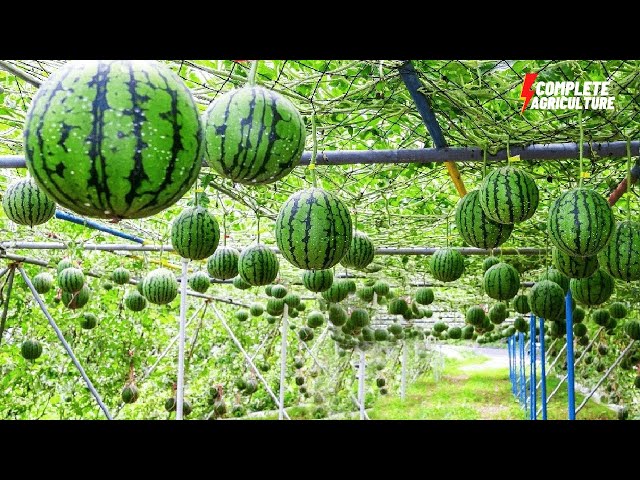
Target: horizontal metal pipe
[
  {"x": 97, "y": 226},
  {"x": 169, "y": 248},
  {"x": 552, "y": 151}
]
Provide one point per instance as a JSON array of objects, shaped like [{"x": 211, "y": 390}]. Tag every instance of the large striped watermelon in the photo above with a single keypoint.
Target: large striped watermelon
[
  {"x": 574, "y": 267},
  {"x": 199, "y": 282},
  {"x": 317, "y": 280},
  {"x": 223, "y": 264},
  {"x": 134, "y": 301},
  {"x": 117, "y": 139},
  {"x": 475, "y": 227},
  {"x": 195, "y": 233},
  {"x": 160, "y": 286},
  {"x": 509, "y": 195},
  {"x": 338, "y": 291},
  {"x": 30, "y": 349},
  {"x": 424, "y": 296},
  {"x": 313, "y": 229},
  {"x": 447, "y": 264},
  {"x": 501, "y": 281},
  {"x": 621, "y": 256},
  {"x": 25, "y": 203},
  {"x": 489, "y": 262},
  {"x": 546, "y": 300},
  {"x": 120, "y": 276},
  {"x": 580, "y": 222},
  {"x": 258, "y": 265},
  {"x": 240, "y": 284},
  {"x": 593, "y": 290},
  {"x": 360, "y": 253},
  {"x": 521, "y": 304},
  {"x": 253, "y": 135},
  {"x": 71, "y": 279},
  {"x": 64, "y": 264},
  {"x": 556, "y": 276},
  {"x": 475, "y": 316},
  {"x": 77, "y": 299},
  {"x": 43, "y": 282}
]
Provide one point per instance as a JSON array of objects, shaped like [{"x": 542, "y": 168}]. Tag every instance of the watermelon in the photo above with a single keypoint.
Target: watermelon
[
  {"x": 580, "y": 222},
  {"x": 557, "y": 277},
  {"x": 546, "y": 300},
  {"x": 574, "y": 267},
  {"x": 71, "y": 280},
  {"x": 292, "y": 300},
  {"x": 350, "y": 285},
  {"x": 521, "y": 304},
  {"x": 160, "y": 286},
  {"x": 380, "y": 335},
  {"x": 301, "y": 307},
  {"x": 26, "y": 204},
  {"x": 337, "y": 292},
  {"x": 270, "y": 319},
  {"x": 315, "y": 319},
  {"x": 140, "y": 286},
  {"x": 601, "y": 317},
  {"x": 293, "y": 313},
  {"x": 501, "y": 282},
  {"x": 256, "y": 309},
  {"x": 88, "y": 321},
  {"x": 475, "y": 316},
  {"x": 253, "y": 135},
  {"x": 134, "y": 301},
  {"x": 275, "y": 306},
  {"x": 381, "y": 288},
  {"x": 521, "y": 324},
  {"x": 424, "y": 296},
  {"x": 455, "y": 333},
  {"x": 359, "y": 318},
  {"x": 305, "y": 334},
  {"x": 489, "y": 262},
  {"x": 313, "y": 229},
  {"x": 398, "y": 306},
  {"x": 440, "y": 327},
  {"x": 30, "y": 349},
  {"x": 195, "y": 233},
  {"x": 618, "y": 310},
  {"x": 240, "y": 284},
  {"x": 278, "y": 291},
  {"x": 118, "y": 139},
  {"x": 317, "y": 280},
  {"x": 76, "y": 300},
  {"x": 258, "y": 265},
  {"x": 368, "y": 334},
  {"x": 360, "y": 253},
  {"x": 475, "y": 227},
  {"x": 120, "y": 276},
  {"x": 242, "y": 315},
  {"x": 365, "y": 294},
  {"x": 64, "y": 264},
  {"x": 632, "y": 329},
  {"x": 199, "y": 282},
  {"x": 43, "y": 282},
  {"x": 593, "y": 290},
  {"x": 621, "y": 256},
  {"x": 467, "y": 332},
  {"x": 498, "y": 313},
  {"x": 129, "y": 393},
  {"x": 509, "y": 195},
  {"x": 337, "y": 315},
  {"x": 223, "y": 264},
  {"x": 395, "y": 329},
  {"x": 447, "y": 264},
  {"x": 578, "y": 315}
]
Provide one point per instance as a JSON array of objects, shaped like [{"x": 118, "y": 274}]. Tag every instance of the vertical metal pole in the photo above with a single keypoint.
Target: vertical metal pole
[
  {"x": 523, "y": 380},
  {"x": 284, "y": 330},
  {"x": 543, "y": 372},
  {"x": 183, "y": 321},
  {"x": 570, "y": 366},
  {"x": 361, "y": 384},
  {"x": 66, "y": 346},
  {"x": 509, "y": 355},
  {"x": 532, "y": 363},
  {"x": 512, "y": 339},
  {"x": 403, "y": 383},
  {"x": 5, "y": 309}
]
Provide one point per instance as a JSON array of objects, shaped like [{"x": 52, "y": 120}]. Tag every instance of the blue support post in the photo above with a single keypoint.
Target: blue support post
[
  {"x": 570, "y": 360},
  {"x": 523, "y": 377},
  {"x": 543, "y": 372},
  {"x": 514, "y": 356},
  {"x": 532, "y": 365},
  {"x": 97, "y": 226}
]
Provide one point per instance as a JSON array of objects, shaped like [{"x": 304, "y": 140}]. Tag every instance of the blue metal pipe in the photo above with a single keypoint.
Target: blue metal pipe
[
  {"x": 532, "y": 365},
  {"x": 570, "y": 360},
  {"x": 543, "y": 372},
  {"x": 514, "y": 363},
  {"x": 523, "y": 377},
  {"x": 510, "y": 350},
  {"x": 97, "y": 226}
]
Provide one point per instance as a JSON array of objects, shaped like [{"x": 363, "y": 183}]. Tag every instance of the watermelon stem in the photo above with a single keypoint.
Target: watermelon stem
[
  {"x": 258, "y": 221},
  {"x": 252, "y": 73}
]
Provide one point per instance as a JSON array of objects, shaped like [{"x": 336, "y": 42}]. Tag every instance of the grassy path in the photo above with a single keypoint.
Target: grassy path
[{"x": 469, "y": 391}]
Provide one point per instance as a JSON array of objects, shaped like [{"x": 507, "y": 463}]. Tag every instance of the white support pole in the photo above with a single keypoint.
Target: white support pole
[
  {"x": 403, "y": 383},
  {"x": 361, "y": 366},
  {"x": 375, "y": 299},
  {"x": 183, "y": 315},
  {"x": 248, "y": 358},
  {"x": 284, "y": 330}
]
